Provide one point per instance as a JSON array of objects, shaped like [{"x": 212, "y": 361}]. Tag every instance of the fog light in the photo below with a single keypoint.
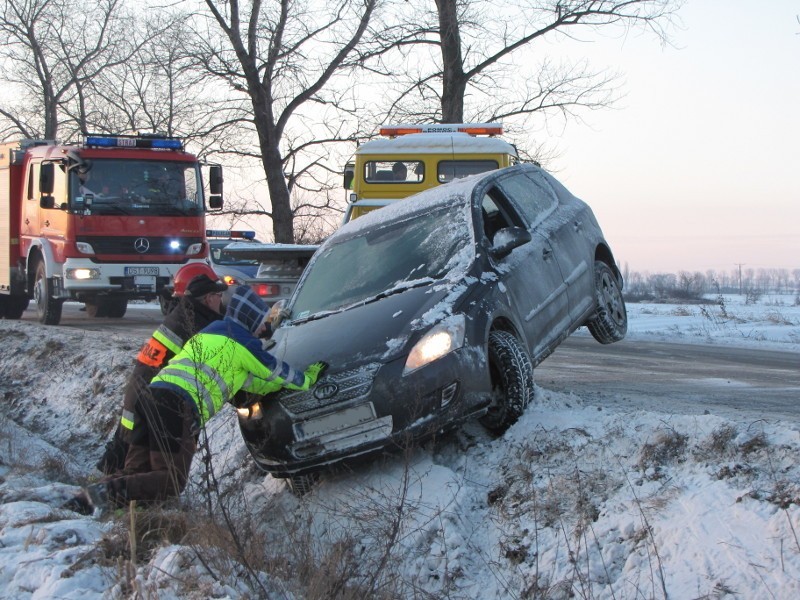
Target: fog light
[
  {"x": 83, "y": 273},
  {"x": 252, "y": 412}
]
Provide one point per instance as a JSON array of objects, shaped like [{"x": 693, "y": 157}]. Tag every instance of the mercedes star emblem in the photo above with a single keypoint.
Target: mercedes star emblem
[{"x": 141, "y": 245}]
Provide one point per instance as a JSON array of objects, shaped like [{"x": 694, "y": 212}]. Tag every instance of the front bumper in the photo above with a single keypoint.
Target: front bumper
[{"x": 363, "y": 410}]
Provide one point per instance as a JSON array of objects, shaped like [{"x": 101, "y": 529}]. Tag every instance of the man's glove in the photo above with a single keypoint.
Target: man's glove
[{"x": 315, "y": 371}]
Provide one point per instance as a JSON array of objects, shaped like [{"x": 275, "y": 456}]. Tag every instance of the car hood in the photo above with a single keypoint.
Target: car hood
[{"x": 375, "y": 332}]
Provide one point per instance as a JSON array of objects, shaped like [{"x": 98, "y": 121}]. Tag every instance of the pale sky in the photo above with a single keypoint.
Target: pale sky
[{"x": 697, "y": 167}]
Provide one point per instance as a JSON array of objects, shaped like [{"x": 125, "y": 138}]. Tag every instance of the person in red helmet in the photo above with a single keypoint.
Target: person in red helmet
[{"x": 198, "y": 294}]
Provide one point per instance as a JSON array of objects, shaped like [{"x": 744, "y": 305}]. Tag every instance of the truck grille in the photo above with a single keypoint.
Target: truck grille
[
  {"x": 354, "y": 384},
  {"x": 128, "y": 244}
]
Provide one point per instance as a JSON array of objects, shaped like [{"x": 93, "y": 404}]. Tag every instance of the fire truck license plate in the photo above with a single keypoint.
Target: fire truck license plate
[{"x": 149, "y": 271}]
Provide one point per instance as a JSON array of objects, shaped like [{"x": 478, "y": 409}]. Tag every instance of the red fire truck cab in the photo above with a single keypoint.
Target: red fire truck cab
[{"x": 103, "y": 222}]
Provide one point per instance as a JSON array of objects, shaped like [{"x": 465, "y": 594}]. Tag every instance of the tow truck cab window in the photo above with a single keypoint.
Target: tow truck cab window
[
  {"x": 447, "y": 170},
  {"x": 395, "y": 171}
]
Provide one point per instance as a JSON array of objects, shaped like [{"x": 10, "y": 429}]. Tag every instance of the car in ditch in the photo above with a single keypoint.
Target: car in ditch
[{"x": 431, "y": 311}]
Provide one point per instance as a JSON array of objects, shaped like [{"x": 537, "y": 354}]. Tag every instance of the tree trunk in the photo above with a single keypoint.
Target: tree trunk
[{"x": 454, "y": 83}]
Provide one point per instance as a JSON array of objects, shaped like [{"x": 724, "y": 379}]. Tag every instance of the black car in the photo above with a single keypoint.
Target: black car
[{"x": 433, "y": 310}]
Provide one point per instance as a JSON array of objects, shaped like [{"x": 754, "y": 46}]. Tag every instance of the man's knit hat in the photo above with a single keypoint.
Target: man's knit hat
[{"x": 246, "y": 308}]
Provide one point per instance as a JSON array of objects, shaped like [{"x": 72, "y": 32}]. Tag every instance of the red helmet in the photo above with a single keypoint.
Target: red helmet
[{"x": 188, "y": 272}]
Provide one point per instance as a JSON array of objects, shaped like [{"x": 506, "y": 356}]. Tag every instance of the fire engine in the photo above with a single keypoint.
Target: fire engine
[
  {"x": 102, "y": 222},
  {"x": 412, "y": 158}
]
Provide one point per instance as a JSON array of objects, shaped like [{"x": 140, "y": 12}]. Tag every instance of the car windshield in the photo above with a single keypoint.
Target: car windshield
[
  {"x": 141, "y": 187},
  {"x": 408, "y": 251}
]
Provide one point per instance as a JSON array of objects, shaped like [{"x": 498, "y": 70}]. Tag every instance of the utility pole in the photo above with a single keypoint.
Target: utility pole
[{"x": 740, "y": 265}]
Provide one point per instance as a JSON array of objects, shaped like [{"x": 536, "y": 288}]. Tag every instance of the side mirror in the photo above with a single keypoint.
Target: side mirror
[
  {"x": 349, "y": 175},
  {"x": 215, "y": 202},
  {"x": 47, "y": 177},
  {"x": 215, "y": 180},
  {"x": 47, "y": 202},
  {"x": 507, "y": 239}
]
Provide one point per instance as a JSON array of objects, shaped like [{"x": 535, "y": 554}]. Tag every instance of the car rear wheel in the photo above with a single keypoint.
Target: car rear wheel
[
  {"x": 511, "y": 374},
  {"x": 610, "y": 323}
]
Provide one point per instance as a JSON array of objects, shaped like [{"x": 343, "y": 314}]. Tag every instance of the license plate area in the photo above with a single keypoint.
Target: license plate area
[
  {"x": 343, "y": 419},
  {"x": 141, "y": 271}
]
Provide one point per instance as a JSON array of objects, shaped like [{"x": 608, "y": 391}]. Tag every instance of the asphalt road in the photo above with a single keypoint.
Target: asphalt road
[
  {"x": 680, "y": 378},
  {"x": 659, "y": 376}
]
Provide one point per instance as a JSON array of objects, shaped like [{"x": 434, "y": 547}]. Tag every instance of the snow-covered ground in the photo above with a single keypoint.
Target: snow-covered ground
[{"x": 576, "y": 500}]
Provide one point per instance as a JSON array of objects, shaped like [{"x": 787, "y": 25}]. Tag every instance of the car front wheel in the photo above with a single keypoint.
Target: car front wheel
[
  {"x": 511, "y": 374},
  {"x": 610, "y": 322}
]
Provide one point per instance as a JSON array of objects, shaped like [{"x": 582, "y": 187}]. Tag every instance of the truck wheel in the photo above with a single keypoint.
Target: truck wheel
[
  {"x": 512, "y": 381},
  {"x": 48, "y": 309},
  {"x": 14, "y": 306},
  {"x": 610, "y": 323},
  {"x": 96, "y": 308},
  {"x": 116, "y": 307}
]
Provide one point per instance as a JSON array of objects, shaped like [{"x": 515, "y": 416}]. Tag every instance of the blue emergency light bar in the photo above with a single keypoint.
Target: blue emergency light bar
[
  {"x": 227, "y": 233},
  {"x": 133, "y": 141}
]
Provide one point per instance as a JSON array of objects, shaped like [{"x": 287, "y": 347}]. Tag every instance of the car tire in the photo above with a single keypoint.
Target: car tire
[
  {"x": 610, "y": 322},
  {"x": 48, "y": 309},
  {"x": 300, "y": 485},
  {"x": 511, "y": 375}
]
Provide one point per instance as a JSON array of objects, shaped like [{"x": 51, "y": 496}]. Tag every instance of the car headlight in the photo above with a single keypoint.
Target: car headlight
[{"x": 438, "y": 342}]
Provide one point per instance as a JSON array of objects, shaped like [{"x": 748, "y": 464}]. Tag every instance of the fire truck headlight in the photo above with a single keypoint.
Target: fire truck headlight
[
  {"x": 174, "y": 245},
  {"x": 195, "y": 248},
  {"x": 83, "y": 273},
  {"x": 84, "y": 248}
]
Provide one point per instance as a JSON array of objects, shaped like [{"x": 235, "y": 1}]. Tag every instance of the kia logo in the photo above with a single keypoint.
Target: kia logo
[
  {"x": 141, "y": 245},
  {"x": 325, "y": 391}
]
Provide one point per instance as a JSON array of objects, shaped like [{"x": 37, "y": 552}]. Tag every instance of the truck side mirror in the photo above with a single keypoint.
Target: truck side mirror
[
  {"x": 47, "y": 177},
  {"x": 215, "y": 202},
  {"x": 215, "y": 180},
  {"x": 349, "y": 175}
]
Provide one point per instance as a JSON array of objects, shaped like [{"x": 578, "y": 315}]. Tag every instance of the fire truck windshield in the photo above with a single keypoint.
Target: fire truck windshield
[{"x": 142, "y": 187}]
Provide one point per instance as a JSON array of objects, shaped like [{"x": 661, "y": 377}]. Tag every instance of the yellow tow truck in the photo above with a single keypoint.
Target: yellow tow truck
[{"x": 412, "y": 158}]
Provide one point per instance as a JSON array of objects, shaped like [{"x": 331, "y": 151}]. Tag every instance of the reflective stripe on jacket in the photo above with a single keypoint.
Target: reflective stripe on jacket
[{"x": 221, "y": 360}]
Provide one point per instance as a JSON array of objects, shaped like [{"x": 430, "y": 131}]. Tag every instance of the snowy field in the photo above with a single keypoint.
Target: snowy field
[{"x": 577, "y": 500}]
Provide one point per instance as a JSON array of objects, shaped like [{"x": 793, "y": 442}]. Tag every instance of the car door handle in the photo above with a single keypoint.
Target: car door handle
[
  {"x": 547, "y": 253},
  {"x": 47, "y": 223},
  {"x": 27, "y": 222},
  {"x": 578, "y": 225}
]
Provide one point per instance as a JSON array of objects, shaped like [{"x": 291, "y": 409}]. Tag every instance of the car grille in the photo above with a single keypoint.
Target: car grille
[
  {"x": 354, "y": 384},
  {"x": 127, "y": 244}
]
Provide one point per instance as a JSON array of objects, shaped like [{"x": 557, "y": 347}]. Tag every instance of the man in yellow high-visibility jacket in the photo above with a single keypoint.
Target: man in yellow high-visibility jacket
[{"x": 225, "y": 357}]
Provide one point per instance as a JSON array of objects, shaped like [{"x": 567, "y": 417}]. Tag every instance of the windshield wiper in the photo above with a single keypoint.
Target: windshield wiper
[
  {"x": 402, "y": 287},
  {"x": 406, "y": 285}
]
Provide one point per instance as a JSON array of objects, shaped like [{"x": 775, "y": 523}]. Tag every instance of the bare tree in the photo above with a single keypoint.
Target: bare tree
[
  {"x": 282, "y": 57},
  {"x": 54, "y": 49},
  {"x": 490, "y": 62}
]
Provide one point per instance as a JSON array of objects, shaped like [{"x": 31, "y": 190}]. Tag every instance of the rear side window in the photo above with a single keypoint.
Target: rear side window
[
  {"x": 447, "y": 170},
  {"x": 532, "y": 194},
  {"x": 394, "y": 171}
]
